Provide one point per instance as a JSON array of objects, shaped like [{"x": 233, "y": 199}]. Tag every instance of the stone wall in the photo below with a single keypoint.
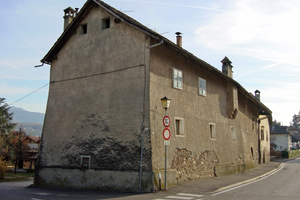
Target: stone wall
[{"x": 191, "y": 165}]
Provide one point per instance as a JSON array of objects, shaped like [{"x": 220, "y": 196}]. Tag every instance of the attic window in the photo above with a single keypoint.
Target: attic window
[
  {"x": 105, "y": 23},
  {"x": 83, "y": 29}
]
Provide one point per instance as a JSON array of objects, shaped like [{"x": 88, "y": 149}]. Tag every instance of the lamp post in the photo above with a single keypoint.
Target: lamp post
[{"x": 165, "y": 104}]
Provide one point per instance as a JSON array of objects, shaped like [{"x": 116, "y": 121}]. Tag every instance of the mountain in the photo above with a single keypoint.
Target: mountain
[
  {"x": 31, "y": 122},
  {"x": 21, "y": 115}
]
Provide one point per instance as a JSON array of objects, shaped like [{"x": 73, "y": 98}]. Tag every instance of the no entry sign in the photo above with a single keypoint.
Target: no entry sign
[{"x": 167, "y": 134}]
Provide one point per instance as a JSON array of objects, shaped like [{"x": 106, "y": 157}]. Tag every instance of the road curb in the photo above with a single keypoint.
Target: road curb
[{"x": 250, "y": 180}]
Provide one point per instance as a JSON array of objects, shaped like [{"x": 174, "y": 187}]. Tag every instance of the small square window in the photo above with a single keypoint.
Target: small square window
[
  {"x": 177, "y": 78},
  {"x": 105, "y": 23},
  {"x": 85, "y": 161},
  {"x": 83, "y": 29},
  {"x": 212, "y": 131},
  {"x": 179, "y": 130},
  {"x": 202, "y": 86}
]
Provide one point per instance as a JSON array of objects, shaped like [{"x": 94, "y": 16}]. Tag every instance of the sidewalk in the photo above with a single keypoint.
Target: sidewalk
[{"x": 213, "y": 184}]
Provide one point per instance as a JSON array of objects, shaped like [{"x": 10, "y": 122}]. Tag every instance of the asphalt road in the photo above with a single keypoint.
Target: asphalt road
[{"x": 271, "y": 181}]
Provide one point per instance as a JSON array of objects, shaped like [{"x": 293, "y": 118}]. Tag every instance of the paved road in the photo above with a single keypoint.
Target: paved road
[{"x": 277, "y": 180}]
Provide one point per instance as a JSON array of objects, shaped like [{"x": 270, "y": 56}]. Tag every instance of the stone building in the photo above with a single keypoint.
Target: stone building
[{"x": 108, "y": 74}]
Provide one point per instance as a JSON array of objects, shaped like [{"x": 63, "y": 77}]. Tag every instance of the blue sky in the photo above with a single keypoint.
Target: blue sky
[{"x": 260, "y": 37}]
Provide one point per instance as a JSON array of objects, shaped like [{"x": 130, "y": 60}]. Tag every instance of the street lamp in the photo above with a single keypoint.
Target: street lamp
[{"x": 165, "y": 104}]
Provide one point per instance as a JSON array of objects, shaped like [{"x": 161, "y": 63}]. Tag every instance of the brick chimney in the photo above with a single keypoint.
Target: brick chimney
[
  {"x": 179, "y": 39},
  {"x": 227, "y": 67},
  {"x": 69, "y": 16}
]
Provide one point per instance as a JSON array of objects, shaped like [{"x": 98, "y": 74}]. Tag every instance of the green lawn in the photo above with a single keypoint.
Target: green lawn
[{"x": 19, "y": 176}]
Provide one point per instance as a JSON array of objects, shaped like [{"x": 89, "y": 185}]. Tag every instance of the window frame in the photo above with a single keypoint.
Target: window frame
[
  {"x": 202, "y": 87},
  {"x": 212, "y": 131},
  {"x": 262, "y": 133},
  {"x": 176, "y": 81},
  {"x": 82, "y": 157},
  {"x": 180, "y": 132}
]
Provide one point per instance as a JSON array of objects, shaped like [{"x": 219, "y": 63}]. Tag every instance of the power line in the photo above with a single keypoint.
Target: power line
[{"x": 29, "y": 94}]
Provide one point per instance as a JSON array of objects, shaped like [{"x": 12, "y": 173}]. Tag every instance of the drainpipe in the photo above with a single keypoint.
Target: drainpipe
[
  {"x": 40, "y": 65},
  {"x": 141, "y": 163},
  {"x": 154, "y": 45}
]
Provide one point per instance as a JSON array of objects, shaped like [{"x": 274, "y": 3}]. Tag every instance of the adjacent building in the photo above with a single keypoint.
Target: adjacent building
[
  {"x": 103, "y": 125},
  {"x": 281, "y": 139}
]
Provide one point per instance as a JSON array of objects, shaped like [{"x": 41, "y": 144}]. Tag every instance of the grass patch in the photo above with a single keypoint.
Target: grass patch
[{"x": 19, "y": 176}]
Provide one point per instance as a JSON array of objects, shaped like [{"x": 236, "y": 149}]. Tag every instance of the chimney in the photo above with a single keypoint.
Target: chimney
[
  {"x": 69, "y": 16},
  {"x": 257, "y": 95},
  {"x": 179, "y": 39},
  {"x": 227, "y": 67}
]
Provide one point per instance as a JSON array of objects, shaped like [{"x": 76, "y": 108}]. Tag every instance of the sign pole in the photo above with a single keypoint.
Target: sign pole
[
  {"x": 166, "y": 159},
  {"x": 165, "y": 167}
]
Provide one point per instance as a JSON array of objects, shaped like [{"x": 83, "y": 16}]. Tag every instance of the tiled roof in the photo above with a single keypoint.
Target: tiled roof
[
  {"x": 36, "y": 139},
  {"x": 279, "y": 130}
]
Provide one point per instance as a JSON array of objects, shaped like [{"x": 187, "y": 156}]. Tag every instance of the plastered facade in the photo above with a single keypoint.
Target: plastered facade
[{"x": 105, "y": 89}]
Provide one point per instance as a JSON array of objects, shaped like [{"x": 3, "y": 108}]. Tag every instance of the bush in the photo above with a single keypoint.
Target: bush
[
  {"x": 2, "y": 167},
  {"x": 290, "y": 154}
]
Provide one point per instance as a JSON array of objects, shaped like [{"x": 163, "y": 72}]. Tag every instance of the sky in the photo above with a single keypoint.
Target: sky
[{"x": 260, "y": 37}]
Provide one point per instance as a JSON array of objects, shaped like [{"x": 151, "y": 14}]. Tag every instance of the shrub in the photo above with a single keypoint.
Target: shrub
[{"x": 2, "y": 167}]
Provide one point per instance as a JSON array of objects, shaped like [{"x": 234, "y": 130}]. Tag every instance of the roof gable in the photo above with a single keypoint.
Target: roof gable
[{"x": 119, "y": 16}]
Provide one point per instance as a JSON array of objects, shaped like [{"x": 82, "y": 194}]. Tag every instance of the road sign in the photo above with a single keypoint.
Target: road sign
[
  {"x": 166, "y": 121},
  {"x": 167, "y": 134},
  {"x": 166, "y": 142}
]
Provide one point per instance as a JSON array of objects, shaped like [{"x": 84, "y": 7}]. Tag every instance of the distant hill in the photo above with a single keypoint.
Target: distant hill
[
  {"x": 30, "y": 128},
  {"x": 21, "y": 115},
  {"x": 31, "y": 122}
]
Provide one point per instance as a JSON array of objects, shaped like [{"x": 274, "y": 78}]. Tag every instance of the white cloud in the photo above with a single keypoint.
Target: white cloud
[
  {"x": 9, "y": 65},
  {"x": 267, "y": 30}
]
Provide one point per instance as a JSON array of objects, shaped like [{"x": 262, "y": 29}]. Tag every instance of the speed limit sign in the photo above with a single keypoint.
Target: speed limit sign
[{"x": 166, "y": 121}]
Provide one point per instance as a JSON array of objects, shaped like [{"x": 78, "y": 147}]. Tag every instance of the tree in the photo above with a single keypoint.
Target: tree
[
  {"x": 275, "y": 123},
  {"x": 5, "y": 127},
  {"x": 5, "y": 117},
  {"x": 20, "y": 146},
  {"x": 296, "y": 121},
  {"x": 2, "y": 167}
]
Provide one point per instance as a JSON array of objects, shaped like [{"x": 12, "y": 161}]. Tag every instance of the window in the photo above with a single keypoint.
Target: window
[
  {"x": 85, "y": 161},
  {"x": 212, "y": 131},
  {"x": 179, "y": 131},
  {"x": 105, "y": 23},
  {"x": 262, "y": 137},
  {"x": 83, "y": 29},
  {"x": 177, "y": 78},
  {"x": 233, "y": 133},
  {"x": 267, "y": 135},
  {"x": 202, "y": 86}
]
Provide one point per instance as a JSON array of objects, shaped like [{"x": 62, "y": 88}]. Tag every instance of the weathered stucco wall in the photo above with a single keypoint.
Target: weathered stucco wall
[
  {"x": 92, "y": 179},
  {"x": 96, "y": 107},
  {"x": 264, "y": 139},
  {"x": 197, "y": 113}
]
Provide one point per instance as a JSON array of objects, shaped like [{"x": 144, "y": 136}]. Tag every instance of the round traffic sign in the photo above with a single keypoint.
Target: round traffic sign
[
  {"x": 166, "y": 121},
  {"x": 167, "y": 134}
]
